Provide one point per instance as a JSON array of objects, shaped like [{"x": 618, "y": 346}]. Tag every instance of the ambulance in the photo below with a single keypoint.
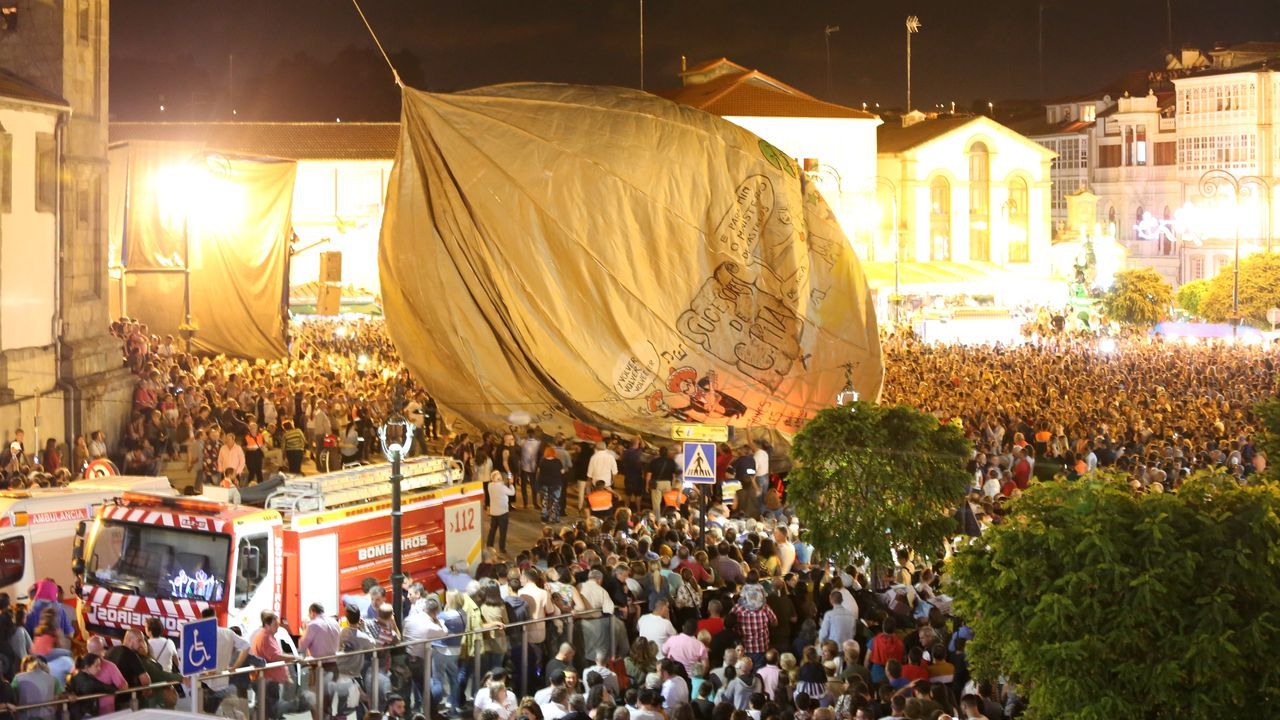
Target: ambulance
[
  {"x": 315, "y": 540},
  {"x": 38, "y": 527}
]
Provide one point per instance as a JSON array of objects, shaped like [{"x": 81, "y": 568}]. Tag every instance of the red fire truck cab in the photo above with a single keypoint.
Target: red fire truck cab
[{"x": 315, "y": 540}]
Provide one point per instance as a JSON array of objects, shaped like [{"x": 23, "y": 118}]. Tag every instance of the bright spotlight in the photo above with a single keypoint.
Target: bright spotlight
[{"x": 1107, "y": 345}]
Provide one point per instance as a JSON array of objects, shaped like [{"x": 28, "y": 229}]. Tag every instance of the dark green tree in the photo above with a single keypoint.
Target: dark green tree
[
  {"x": 1190, "y": 295},
  {"x": 1268, "y": 412},
  {"x": 1259, "y": 290},
  {"x": 870, "y": 480},
  {"x": 1138, "y": 296},
  {"x": 1107, "y": 604}
]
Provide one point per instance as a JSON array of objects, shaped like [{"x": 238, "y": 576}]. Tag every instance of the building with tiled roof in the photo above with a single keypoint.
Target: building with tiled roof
[
  {"x": 971, "y": 191},
  {"x": 16, "y": 90},
  {"x": 835, "y": 144},
  {"x": 343, "y": 170}
]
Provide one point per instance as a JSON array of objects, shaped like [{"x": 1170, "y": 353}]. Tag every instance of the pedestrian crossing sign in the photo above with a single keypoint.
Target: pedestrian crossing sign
[{"x": 700, "y": 462}]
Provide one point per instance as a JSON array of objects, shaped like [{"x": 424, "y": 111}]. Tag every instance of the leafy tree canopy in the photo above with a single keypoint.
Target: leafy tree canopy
[
  {"x": 1259, "y": 290},
  {"x": 870, "y": 480},
  {"x": 1190, "y": 295},
  {"x": 1138, "y": 296},
  {"x": 1106, "y": 604}
]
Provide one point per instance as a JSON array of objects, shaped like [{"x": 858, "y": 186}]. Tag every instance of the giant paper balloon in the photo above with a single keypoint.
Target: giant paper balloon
[{"x": 603, "y": 255}]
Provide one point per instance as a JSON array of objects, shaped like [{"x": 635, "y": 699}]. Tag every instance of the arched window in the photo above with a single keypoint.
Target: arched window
[
  {"x": 1019, "y": 222},
  {"x": 1137, "y": 220},
  {"x": 979, "y": 202},
  {"x": 1111, "y": 223},
  {"x": 940, "y": 219}
]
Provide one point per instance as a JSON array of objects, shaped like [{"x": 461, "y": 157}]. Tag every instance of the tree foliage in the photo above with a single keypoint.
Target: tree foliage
[
  {"x": 1106, "y": 604},
  {"x": 1190, "y": 295},
  {"x": 1259, "y": 290},
  {"x": 1268, "y": 412},
  {"x": 870, "y": 480},
  {"x": 1138, "y": 296}
]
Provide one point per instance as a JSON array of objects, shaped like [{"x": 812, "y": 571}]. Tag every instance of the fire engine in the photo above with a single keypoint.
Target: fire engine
[
  {"x": 38, "y": 526},
  {"x": 315, "y": 540}
]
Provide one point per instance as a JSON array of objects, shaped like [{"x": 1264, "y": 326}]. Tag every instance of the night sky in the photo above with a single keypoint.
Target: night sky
[{"x": 313, "y": 59}]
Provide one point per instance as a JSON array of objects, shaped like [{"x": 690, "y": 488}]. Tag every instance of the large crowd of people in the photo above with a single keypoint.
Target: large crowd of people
[
  {"x": 626, "y": 608},
  {"x": 1155, "y": 409},
  {"x": 234, "y": 420}
]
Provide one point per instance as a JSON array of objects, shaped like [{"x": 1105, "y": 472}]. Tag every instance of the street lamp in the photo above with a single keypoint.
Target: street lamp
[
  {"x": 1209, "y": 183},
  {"x": 396, "y": 435},
  {"x": 826, "y": 37}
]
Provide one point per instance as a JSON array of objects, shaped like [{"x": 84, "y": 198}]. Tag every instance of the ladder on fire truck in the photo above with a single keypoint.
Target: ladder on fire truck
[{"x": 318, "y": 493}]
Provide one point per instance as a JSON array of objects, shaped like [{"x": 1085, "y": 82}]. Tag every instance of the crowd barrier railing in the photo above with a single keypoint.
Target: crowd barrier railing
[{"x": 317, "y": 680}]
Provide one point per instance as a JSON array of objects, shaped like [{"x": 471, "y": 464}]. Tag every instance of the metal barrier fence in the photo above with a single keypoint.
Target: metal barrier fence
[{"x": 195, "y": 685}]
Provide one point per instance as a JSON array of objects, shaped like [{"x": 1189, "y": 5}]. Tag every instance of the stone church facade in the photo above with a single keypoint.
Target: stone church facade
[{"x": 69, "y": 380}]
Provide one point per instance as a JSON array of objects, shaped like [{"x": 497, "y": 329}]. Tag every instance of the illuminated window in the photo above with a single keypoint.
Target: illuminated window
[
  {"x": 940, "y": 219},
  {"x": 1019, "y": 225},
  {"x": 979, "y": 202},
  {"x": 1197, "y": 268},
  {"x": 1088, "y": 113}
]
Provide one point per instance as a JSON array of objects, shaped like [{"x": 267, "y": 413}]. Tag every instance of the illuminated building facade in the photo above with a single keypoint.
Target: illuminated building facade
[
  {"x": 1227, "y": 119},
  {"x": 1135, "y": 178},
  {"x": 971, "y": 192},
  {"x": 1144, "y": 152}
]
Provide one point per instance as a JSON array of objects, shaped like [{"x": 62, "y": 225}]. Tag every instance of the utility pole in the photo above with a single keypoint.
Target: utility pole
[
  {"x": 913, "y": 26},
  {"x": 1040, "y": 49},
  {"x": 641, "y": 44},
  {"x": 826, "y": 36},
  {"x": 1168, "y": 24}
]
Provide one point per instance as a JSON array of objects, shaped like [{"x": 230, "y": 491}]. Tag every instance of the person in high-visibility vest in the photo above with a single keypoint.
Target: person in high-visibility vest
[
  {"x": 675, "y": 497},
  {"x": 601, "y": 500}
]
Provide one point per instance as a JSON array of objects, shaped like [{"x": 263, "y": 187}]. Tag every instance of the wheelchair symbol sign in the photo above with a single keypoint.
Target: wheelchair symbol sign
[{"x": 199, "y": 646}]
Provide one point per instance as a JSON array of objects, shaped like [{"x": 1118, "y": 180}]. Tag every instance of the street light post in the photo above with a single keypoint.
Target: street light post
[
  {"x": 396, "y": 435},
  {"x": 826, "y": 36},
  {"x": 913, "y": 26},
  {"x": 1209, "y": 183}
]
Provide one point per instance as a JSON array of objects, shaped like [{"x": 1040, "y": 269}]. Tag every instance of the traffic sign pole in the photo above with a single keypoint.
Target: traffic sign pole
[{"x": 700, "y": 469}]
